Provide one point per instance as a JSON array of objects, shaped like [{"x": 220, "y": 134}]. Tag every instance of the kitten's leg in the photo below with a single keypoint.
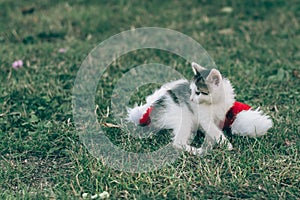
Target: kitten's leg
[
  {"x": 213, "y": 135},
  {"x": 182, "y": 136}
]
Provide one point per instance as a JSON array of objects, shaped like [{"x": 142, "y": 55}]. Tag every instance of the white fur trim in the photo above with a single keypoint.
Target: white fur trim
[
  {"x": 135, "y": 114},
  {"x": 251, "y": 123}
]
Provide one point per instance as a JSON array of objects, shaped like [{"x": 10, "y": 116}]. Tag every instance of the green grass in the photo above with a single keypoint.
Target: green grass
[{"x": 256, "y": 46}]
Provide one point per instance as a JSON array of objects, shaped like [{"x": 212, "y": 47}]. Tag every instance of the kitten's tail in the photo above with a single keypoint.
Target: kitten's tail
[{"x": 251, "y": 123}]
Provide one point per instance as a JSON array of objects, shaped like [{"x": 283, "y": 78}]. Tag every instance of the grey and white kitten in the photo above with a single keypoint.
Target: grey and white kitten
[{"x": 187, "y": 106}]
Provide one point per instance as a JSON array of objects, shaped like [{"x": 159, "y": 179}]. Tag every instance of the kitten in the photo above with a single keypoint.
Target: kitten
[{"x": 186, "y": 107}]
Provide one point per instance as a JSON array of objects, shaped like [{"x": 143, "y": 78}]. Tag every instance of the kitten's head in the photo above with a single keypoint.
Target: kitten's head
[{"x": 206, "y": 86}]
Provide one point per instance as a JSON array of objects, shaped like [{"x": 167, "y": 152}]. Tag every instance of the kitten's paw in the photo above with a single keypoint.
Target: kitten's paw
[{"x": 225, "y": 143}]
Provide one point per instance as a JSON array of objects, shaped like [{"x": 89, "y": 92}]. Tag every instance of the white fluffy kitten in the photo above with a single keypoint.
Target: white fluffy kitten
[{"x": 202, "y": 103}]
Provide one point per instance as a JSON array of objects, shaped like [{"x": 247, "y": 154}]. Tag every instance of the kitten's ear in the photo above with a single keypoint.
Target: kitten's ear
[
  {"x": 214, "y": 77},
  {"x": 197, "y": 68}
]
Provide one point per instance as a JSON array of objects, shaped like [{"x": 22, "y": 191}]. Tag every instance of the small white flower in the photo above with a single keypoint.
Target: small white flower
[
  {"x": 84, "y": 195},
  {"x": 104, "y": 195},
  {"x": 227, "y": 9}
]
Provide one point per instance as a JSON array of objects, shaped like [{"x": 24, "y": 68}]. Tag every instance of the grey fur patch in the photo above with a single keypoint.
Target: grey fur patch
[
  {"x": 199, "y": 80},
  {"x": 205, "y": 73},
  {"x": 160, "y": 102},
  {"x": 173, "y": 96},
  {"x": 181, "y": 95}
]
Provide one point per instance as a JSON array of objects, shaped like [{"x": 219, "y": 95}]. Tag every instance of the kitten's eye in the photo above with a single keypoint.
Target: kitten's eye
[
  {"x": 197, "y": 93},
  {"x": 205, "y": 93}
]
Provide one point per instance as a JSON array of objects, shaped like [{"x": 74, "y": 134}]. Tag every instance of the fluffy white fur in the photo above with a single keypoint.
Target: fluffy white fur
[
  {"x": 251, "y": 123},
  {"x": 134, "y": 114},
  {"x": 200, "y": 111}
]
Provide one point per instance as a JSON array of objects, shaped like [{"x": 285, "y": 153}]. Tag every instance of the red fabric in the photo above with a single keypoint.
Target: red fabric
[
  {"x": 145, "y": 119},
  {"x": 232, "y": 113}
]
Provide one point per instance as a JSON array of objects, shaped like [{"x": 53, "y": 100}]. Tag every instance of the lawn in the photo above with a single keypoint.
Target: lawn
[{"x": 256, "y": 44}]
